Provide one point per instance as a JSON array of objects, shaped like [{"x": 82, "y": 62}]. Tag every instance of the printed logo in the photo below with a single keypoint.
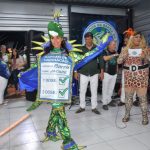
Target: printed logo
[{"x": 99, "y": 29}]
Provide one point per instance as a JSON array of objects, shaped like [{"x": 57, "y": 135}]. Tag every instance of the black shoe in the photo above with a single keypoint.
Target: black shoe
[
  {"x": 96, "y": 111},
  {"x": 105, "y": 107},
  {"x": 112, "y": 104},
  {"x": 136, "y": 103},
  {"x": 121, "y": 103},
  {"x": 80, "y": 110},
  {"x": 116, "y": 96}
]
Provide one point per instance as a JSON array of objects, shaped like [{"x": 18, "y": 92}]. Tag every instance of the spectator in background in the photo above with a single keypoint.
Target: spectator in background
[
  {"x": 5, "y": 57},
  {"x": 16, "y": 66},
  {"x": 110, "y": 74},
  {"x": 4, "y": 75},
  {"x": 89, "y": 73},
  {"x": 9, "y": 55},
  {"x": 136, "y": 74},
  {"x": 25, "y": 56}
]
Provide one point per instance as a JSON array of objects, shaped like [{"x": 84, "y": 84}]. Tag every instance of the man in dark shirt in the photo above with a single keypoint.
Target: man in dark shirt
[
  {"x": 89, "y": 73},
  {"x": 109, "y": 62}
]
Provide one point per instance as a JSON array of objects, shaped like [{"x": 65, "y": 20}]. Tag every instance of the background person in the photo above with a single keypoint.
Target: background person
[
  {"x": 110, "y": 74},
  {"x": 136, "y": 73},
  {"x": 17, "y": 64},
  {"x": 89, "y": 73},
  {"x": 5, "y": 57},
  {"x": 4, "y": 75}
]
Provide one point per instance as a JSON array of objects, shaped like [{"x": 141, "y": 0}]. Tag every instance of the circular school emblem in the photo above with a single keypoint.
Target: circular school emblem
[{"x": 99, "y": 29}]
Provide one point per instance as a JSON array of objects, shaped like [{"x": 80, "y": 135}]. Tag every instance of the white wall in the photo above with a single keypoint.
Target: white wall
[
  {"x": 141, "y": 18},
  {"x": 24, "y": 16},
  {"x": 98, "y": 10}
]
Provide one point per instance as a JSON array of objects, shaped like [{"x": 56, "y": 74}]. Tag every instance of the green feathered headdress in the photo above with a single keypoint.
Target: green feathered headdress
[{"x": 54, "y": 29}]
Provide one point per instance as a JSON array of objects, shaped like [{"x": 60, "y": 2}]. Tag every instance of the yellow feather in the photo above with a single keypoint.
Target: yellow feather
[
  {"x": 76, "y": 45},
  {"x": 54, "y": 14},
  {"x": 72, "y": 41},
  {"x": 38, "y": 43},
  {"x": 39, "y": 54},
  {"x": 46, "y": 39},
  {"x": 76, "y": 50},
  {"x": 59, "y": 13},
  {"x": 37, "y": 48}
]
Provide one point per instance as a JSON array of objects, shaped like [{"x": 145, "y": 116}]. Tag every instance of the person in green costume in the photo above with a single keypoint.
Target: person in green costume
[{"x": 58, "y": 116}]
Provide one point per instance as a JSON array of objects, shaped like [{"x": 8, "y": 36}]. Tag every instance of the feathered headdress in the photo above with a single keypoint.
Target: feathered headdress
[
  {"x": 54, "y": 28},
  {"x": 129, "y": 32}
]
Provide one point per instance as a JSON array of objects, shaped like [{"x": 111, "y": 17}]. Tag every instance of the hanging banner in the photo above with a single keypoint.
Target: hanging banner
[
  {"x": 99, "y": 29},
  {"x": 55, "y": 77}
]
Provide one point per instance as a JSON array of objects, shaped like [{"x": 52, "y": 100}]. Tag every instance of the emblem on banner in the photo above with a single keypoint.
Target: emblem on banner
[{"x": 99, "y": 29}]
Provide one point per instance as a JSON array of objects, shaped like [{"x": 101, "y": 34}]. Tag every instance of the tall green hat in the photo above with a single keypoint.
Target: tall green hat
[{"x": 54, "y": 29}]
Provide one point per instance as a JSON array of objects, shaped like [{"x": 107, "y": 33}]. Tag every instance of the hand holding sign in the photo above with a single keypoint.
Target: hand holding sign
[{"x": 134, "y": 52}]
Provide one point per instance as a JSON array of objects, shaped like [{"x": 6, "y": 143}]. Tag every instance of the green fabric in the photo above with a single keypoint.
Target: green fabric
[
  {"x": 56, "y": 50},
  {"x": 92, "y": 67},
  {"x": 67, "y": 142},
  {"x": 34, "y": 105},
  {"x": 58, "y": 120},
  {"x": 57, "y": 105},
  {"x": 55, "y": 27}
]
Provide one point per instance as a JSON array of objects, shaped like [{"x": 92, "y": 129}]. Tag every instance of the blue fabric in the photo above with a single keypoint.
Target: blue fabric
[
  {"x": 51, "y": 134},
  {"x": 29, "y": 80},
  {"x": 69, "y": 145},
  {"x": 69, "y": 46},
  {"x": 75, "y": 87},
  {"x": 46, "y": 45},
  {"x": 4, "y": 71}
]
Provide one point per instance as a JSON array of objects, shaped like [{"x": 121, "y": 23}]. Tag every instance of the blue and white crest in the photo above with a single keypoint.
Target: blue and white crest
[{"x": 99, "y": 29}]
